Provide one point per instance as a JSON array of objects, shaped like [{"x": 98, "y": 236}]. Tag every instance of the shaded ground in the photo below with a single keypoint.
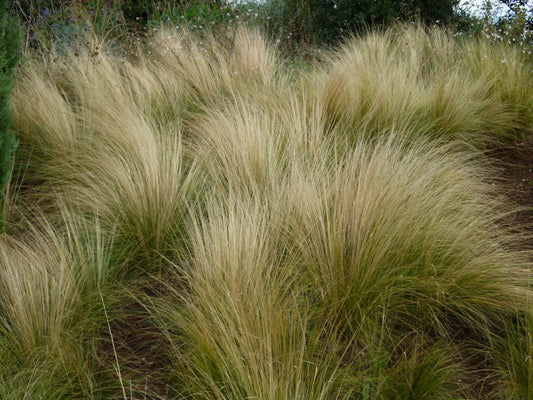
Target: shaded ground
[{"x": 517, "y": 184}]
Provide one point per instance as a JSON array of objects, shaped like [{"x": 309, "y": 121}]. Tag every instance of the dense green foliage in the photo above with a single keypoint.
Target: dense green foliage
[
  {"x": 61, "y": 25},
  {"x": 326, "y": 20},
  {"x": 124, "y": 24},
  {"x": 9, "y": 55}
]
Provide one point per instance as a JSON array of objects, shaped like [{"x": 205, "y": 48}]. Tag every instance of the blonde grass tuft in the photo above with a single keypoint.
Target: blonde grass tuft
[
  {"x": 50, "y": 312},
  {"x": 411, "y": 228},
  {"x": 429, "y": 83},
  {"x": 210, "y": 68},
  {"x": 125, "y": 163},
  {"x": 241, "y": 326}
]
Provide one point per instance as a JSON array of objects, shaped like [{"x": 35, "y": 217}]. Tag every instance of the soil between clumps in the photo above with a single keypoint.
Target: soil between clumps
[{"x": 516, "y": 184}]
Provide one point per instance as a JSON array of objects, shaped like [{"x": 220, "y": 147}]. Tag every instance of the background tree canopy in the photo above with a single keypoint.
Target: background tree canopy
[
  {"x": 521, "y": 10},
  {"x": 326, "y": 20},
  {"x": 49, "y": 23}
]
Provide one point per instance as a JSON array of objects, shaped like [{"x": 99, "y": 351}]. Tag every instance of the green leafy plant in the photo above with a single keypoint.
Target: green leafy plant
[{"x": 9, "y": 56}]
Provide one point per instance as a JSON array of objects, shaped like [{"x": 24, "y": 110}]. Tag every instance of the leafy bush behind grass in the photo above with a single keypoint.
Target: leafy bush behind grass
[
  {"x": 9, "y": 56},
  {"x": 58, "y": 25}
]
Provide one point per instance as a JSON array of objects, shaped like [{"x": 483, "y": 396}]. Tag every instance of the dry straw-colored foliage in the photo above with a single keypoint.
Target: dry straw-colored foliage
[{"x": 203, "y": 222}]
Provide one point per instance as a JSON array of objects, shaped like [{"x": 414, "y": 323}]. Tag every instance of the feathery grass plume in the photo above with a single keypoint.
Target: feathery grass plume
[
  {"x": 409, "y": 232},
  {"x": 415, "y": 228},
  {"x": 44, "y": 119},
  {"x": 145, "y": 197},
  {"x": 242, "y": 147},
  {"x": 213, "y": 67},
  {"x": 78, "y": 102},
  {"x": 50, "y": 310},
  {"x": 423, "y": 80},
  {"x": 252, "y": 142},
  {"x": 508, "y": 73},
  {"x": 240, "y": 329},
  {"x": 111, "y": 150},
  {"x": 366, "y": 88},
  {"x": 159, "y": 93}
]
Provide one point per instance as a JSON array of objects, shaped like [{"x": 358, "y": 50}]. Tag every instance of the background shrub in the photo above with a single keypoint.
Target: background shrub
[
  {"x": 324, "y": 21},
  {"x": 9, "y": 55}
]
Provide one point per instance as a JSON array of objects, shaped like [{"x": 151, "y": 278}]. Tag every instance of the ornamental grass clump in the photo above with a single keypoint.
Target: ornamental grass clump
[
  {"x": 55, "y": 284},
  {"x": 241, "y": 329},
  {"x": 473, "y": 92},
  {"x": 394, "y": 266},
  {"x": 391, "y": 256},
  {"x": 412, "y": 228},
  {"x": 212, "y": 68},
  {"x": 96, "y": 134},
  {"x": 179, "y": 230}
]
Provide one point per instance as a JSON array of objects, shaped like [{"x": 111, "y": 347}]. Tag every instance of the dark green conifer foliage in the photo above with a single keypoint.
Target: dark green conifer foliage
[{"x": 10, "y": 45}]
